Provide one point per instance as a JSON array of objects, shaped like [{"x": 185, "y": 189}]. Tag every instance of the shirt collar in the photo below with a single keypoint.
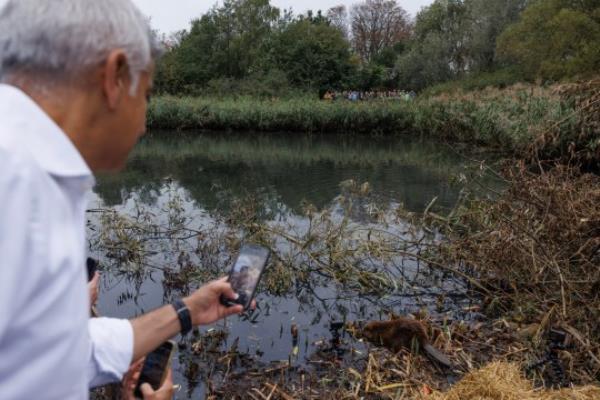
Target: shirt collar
[{"x": 25, "y": 127}]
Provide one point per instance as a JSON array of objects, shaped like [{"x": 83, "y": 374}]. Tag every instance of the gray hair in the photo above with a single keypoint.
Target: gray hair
[{"x": 61, "y": 39}]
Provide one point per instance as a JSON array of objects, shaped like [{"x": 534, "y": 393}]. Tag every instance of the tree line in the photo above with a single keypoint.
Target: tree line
[{"x": 252, "y": 47}]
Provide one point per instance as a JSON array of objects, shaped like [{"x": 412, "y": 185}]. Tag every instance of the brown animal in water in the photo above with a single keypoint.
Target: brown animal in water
[{"x": 403, "y": 333}]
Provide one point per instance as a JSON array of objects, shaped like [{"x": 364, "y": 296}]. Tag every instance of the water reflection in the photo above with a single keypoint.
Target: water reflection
[
  {"x": 183, "y": 193},
  {"x": 295, "y": 169}
]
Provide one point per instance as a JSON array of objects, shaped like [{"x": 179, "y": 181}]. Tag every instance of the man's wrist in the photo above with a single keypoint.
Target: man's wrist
[{"x": 184, "y": 315}]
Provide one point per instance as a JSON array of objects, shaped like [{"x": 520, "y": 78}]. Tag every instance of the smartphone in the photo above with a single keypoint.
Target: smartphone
[
  {"x": 154, "y": 370},
  {"x": 246, "y": 273},
  {"x": 92, "y": 267}
]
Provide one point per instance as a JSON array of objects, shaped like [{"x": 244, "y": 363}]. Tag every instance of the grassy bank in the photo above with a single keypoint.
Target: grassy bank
[{"x": 506, "y": 119}]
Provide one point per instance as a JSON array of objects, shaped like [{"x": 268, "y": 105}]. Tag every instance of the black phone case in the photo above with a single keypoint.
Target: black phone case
[{"x": 92, "y": 267}]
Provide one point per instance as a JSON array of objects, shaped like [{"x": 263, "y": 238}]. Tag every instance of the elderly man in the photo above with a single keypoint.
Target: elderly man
[{"x": 75, "y": 78}]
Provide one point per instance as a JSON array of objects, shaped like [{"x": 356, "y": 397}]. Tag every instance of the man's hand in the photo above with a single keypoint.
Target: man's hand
[
  {"x": 205, "y": 306},
  {"x": 130, "y": 381},
  {"x": 165, "y": 392}
]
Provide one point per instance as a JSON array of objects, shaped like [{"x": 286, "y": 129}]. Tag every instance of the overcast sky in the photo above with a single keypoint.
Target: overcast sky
[{"x": 174, "y": 15}]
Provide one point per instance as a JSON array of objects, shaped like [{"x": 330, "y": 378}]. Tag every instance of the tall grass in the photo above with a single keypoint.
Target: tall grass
[
  {"x": 507, "y": 119},
  {"x": 295, "y": 115}
]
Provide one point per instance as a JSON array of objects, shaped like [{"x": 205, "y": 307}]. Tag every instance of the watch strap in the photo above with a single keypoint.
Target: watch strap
[{"x": 183, "y": 313}]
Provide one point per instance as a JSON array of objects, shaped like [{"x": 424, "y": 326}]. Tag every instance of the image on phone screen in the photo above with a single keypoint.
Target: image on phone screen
[{"x": 246, "y": 272}]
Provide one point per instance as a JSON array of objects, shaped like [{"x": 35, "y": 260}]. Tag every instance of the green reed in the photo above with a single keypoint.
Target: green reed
[{"x": 508, "y": 119}]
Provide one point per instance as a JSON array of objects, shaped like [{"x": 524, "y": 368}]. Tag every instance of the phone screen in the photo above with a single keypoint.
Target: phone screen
[
  {"x": 155, "y": 367},
  {"x": 246, "y": 272}
]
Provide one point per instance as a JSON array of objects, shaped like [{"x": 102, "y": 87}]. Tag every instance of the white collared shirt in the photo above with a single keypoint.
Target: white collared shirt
[{"x": 49, "y": 348}]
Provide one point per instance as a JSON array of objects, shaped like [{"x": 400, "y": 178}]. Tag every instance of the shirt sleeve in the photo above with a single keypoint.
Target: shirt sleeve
[
  {"x": 111, "y": 350},
  {"x": 16, "y": 208}
]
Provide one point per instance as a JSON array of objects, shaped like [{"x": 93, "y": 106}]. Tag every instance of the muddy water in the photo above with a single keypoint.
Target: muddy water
[{"x": 201, "y": 176}]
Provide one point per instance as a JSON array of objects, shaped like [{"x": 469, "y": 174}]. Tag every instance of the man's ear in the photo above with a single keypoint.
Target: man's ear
[{"x": 116, "y": 79}]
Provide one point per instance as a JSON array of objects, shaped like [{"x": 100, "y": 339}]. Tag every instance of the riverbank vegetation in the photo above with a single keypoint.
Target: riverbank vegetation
[
  {"x": 555, "y": 122},
  {"x": 505, "y": 119},
  {"x": 535, "y": 250}
]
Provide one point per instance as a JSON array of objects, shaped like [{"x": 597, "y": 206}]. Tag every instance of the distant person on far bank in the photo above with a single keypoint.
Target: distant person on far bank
[{"x": 75, "y": 76}]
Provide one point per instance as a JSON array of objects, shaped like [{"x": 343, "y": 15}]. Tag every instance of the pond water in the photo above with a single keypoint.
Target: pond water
[{"x": 194, "y": 181}]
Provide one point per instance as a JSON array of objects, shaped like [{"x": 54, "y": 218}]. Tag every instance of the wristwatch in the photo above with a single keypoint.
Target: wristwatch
[{"x": 183, "y": 313}]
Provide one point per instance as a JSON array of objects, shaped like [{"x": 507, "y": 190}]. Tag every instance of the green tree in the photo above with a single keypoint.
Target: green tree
[
  {"x": 225, "y": 43},
  {"x": 554, "y": 39},
  {"x": 425, "y": 64},
  {"x": 453, "y": 39},
  {"x": 487, "y": 19},
  {"x": 438, "y": 47},
  {"x": 313, "y": 53}
]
